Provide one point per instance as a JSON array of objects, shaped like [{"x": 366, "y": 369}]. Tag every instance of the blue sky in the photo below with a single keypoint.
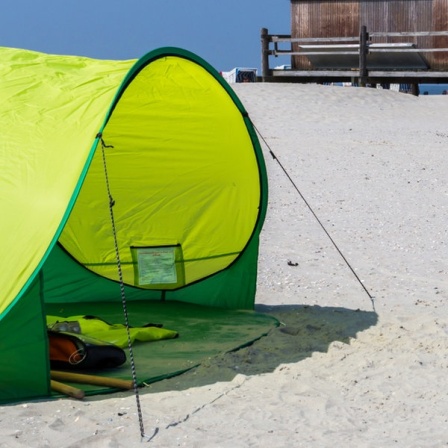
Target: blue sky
[{"x": 224, "y": 33}]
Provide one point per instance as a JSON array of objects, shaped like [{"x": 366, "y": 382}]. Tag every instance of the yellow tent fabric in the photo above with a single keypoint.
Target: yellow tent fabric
[
  {"x": 171, "y": 106},
  {"x": 44, "y": 149},
  {"x": 183, "y": 186}
]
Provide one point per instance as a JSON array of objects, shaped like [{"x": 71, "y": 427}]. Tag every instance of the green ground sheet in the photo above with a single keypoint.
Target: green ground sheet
[{"x": 204, "y": 332}]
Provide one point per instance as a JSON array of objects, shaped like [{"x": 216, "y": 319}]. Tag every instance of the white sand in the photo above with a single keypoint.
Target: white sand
[{"x": 373, "y": 166}]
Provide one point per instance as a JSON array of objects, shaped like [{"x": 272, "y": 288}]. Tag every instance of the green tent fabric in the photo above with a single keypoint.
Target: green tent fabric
[{"x": 149, "y": 165}]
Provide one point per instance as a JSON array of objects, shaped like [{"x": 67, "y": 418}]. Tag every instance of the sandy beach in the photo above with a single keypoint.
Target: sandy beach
[{"x": 351, "y": 365}]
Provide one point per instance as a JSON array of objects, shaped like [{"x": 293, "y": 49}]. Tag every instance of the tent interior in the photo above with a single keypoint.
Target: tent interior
[{"x": 134, "y": 191}]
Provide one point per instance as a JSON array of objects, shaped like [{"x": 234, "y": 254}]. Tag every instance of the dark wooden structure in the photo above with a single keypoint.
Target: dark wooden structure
[{"x": 365, "y": 41}]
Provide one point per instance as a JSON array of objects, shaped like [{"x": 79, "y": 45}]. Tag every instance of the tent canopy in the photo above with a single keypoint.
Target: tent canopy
[{"x": 149, "y": 165}]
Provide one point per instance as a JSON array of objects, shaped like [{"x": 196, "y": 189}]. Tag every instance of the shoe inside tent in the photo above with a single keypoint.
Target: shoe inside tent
[{"x": 133, "y": 184}]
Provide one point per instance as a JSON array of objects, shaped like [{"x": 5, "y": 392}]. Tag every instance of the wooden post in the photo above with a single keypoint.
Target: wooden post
[
  {"x": 91, "y": 379},
  {"x": 363, "y": 51},
  {"x": 264, "y": 54},
  {"x": 67, "y": 390}
]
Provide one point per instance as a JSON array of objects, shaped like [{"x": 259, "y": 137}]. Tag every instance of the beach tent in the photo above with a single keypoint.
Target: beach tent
[{"x": 138, "y": 180}]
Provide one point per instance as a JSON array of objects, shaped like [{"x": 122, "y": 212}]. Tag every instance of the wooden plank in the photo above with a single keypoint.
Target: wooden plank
[
  {"x": 409, "y": 34},
  {"x": 314, "y": 39},
  {"x": 315, "y": 73},
  {"x": 314, "y": 53},
  {"x": 376, "y": 50},
  {"x": 407, "y": 50},
  {"x": 412, "y": 74},
  {"x": 354, "y": 73}
]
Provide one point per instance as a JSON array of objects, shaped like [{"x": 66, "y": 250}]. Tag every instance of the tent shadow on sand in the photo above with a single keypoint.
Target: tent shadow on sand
[{"x": 303, "y": 331}]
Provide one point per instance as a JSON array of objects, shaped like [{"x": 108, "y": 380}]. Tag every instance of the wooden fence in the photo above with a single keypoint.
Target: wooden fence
[{"x": 356, "y": 53}]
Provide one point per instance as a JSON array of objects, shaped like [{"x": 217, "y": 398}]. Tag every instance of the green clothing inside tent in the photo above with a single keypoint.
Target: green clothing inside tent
[{"x": 112, "y": 333}]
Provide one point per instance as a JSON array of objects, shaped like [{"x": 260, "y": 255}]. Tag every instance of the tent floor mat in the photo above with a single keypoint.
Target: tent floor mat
[{"x": 204, "y": 332}]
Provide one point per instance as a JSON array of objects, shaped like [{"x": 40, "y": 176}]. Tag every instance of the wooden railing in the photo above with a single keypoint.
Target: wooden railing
[{"x": 270, "y": 46}]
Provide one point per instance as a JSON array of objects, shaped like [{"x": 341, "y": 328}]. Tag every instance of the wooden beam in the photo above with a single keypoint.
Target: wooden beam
[
  {"x": 409, "y": 34},
  {"x": 264, "y": 53},
  {"x": 363, "y": 52},
  {"x": 92, "y": 379},
  {"x": 65, "y": 389}
]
